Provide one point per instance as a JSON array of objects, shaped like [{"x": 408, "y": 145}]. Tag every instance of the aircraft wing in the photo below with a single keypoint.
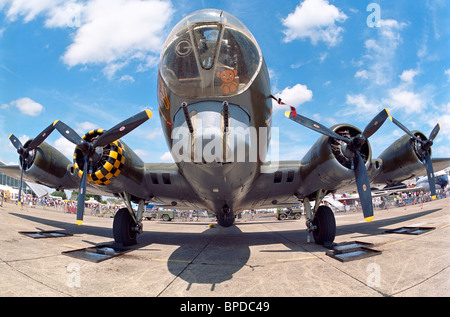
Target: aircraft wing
[
  {"x": 34, "y": 177},
  {"x": 159, "y": 182},
  {"x": 389, "y": 191},
  {"x": 283, "y": 184},
  {"x": 440, "y": 163},
  {"x": 164, "y": 184},
  {"x": 276, "y": 186},
  {"x": 11, "y": 170},
  {"x": 387, "y": 175}
]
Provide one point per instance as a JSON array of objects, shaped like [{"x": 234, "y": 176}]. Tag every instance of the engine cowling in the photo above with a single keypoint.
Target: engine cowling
[
  {"x": 115, "y": 165},
  {"x": 47, "y": 166},
  {"x": 401, "y": 160},
  {"x": 107, "y": 164},
  {"x": 328, "y": 164}
]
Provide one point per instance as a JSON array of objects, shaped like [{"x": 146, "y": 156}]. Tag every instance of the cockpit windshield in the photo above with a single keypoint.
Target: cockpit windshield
[{"x": 209, "y": 54}]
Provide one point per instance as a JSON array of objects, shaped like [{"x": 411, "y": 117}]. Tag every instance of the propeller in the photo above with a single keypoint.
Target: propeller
[
  {"x": 89, "y": 148},
  {"x": 24, "y": 152},
  {"x": 423, "y": 150},
  {"x": 351, "y": 147}
]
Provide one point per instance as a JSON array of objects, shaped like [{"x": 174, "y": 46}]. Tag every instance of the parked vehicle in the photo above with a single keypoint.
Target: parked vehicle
[
  {"x": 152, "y": 213},
  {"x": 166, "y": 214},
  {"x": 289, "y": 213}
]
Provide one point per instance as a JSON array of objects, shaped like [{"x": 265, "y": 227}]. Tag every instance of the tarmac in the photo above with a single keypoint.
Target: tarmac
[{"x": 263, "y": 257}]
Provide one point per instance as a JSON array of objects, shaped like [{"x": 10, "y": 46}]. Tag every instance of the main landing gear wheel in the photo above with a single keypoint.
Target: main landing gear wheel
[
  {"x": 123, "y": 228},
  {"x": 325, "y": 226}
]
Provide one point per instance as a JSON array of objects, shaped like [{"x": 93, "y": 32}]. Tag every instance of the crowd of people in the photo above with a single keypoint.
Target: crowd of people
[
  {"x": 28, "y": 201},
  {"x": 411, "y": 198}
]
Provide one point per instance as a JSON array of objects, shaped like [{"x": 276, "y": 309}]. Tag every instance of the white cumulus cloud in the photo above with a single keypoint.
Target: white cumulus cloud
[
  {"x": 381, "y": 52},
  {"x": 408, "y": 75},
  {"x": 360, "y": 105},
  {"x": 166, "y": 157},
  {"x": 28, "y": 106},
  {"x": 113, "y": 30},
  {"x": 109, "y": 33},
  {"x": 293, "y": 96},
  {"x": 28, "y": 9},
  {"x": 316, "y": 20},
  {"x": 405, "y": 100},
  {"x": 66, "y": 147}
]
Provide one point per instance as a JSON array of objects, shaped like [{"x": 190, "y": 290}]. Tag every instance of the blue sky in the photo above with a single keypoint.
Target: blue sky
[{"x": 93, "y": 63}]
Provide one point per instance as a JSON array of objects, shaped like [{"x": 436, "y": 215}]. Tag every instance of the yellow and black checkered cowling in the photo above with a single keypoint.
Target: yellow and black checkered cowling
[{"x": 109, "y": 166}]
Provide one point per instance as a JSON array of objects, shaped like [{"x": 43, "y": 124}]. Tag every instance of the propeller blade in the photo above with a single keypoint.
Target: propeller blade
[
  {"x": 401, "y": 126},
  {"x": 313, "y": 125},
  {"x": 376, "y": 123},
  {"x": 82, "y": 193},
  {"x": 123, "y": 128},
  {"x": 41, "y": 137},
  {"x": 15, "y": 142},
  {"x": 20, "y": 184},
  {"x": 363, "y": 185},
  {"x": 434, "y": 132},
  {"x": 430, "y": 175},
  {"x": 425, "y": 153},
  {"x": 67, "y": 132}
]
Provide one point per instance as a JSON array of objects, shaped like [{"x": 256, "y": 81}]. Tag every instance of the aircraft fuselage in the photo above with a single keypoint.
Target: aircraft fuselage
[{"x": 215, "y": 107}]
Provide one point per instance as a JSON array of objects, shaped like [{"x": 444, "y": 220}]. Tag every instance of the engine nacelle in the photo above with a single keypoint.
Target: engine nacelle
[
  {"x": 328, "y": 165},
  {"x": 47, "y": 166},
  {"x": 115, "y": 165},
  {"x": 401, "y": 160}
]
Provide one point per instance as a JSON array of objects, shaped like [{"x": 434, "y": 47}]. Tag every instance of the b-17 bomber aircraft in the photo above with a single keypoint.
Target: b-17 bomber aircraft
[{"x": 215, "y": 106}]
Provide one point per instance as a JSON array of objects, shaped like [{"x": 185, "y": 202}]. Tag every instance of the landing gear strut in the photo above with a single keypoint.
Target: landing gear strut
[
  {"x": 320, "y": 221},
  {"x": 128, "y": 223}
]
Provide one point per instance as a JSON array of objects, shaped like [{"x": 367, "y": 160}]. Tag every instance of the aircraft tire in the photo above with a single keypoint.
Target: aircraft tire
[
  {"x": 326, "y": 226},
  {"x": 122, "y": 228}
]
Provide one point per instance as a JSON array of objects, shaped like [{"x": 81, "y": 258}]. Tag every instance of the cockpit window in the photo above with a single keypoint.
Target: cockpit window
[
  {"x": 212, "y": 58},
  {"x": 206, "y": 41}
]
